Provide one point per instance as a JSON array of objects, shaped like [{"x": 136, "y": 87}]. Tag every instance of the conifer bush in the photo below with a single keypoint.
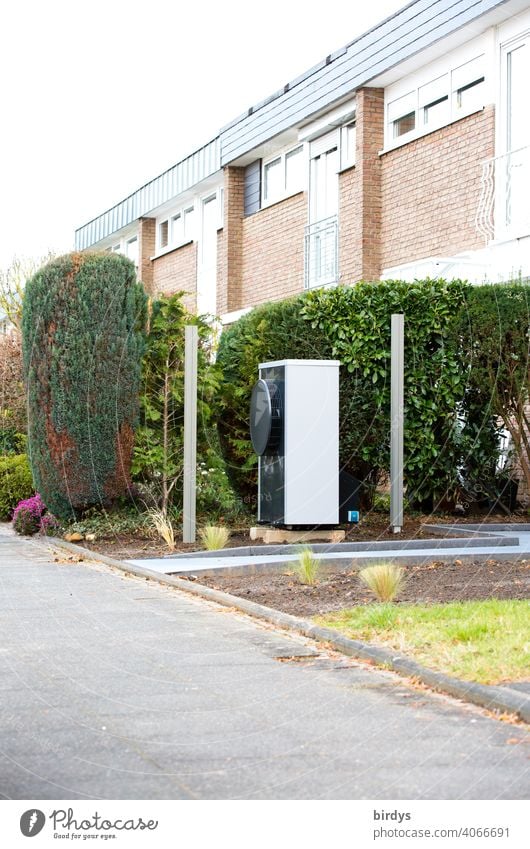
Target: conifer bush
[{"x": 82, "y": 327}]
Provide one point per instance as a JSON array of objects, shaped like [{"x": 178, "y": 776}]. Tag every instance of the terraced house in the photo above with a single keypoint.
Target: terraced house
[{"x": 404, "y": 154}]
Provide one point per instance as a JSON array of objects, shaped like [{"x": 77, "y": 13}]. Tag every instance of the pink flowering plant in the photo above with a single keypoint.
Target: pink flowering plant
[
  {"x": 30, "y": 516},
  {"x": 49, "y": 526}
]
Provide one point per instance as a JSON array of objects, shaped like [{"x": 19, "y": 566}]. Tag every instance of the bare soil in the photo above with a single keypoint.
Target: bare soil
[{"x": 433, "y": 582}]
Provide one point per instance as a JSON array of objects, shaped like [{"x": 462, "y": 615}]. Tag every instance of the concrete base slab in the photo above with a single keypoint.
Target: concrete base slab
[
  {"x": 281, "y": 535},
  {"x": 332, "y": 561}
]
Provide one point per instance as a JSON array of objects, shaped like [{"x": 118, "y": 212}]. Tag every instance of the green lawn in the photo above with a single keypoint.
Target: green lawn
[{"x": 484, "y": 641}]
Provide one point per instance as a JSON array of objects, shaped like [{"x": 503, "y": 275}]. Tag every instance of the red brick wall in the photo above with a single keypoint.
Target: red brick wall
[
  {"x": 370, "y": 136},
  {"x": 360, "y": 194},
  {"x": 177, "y": 271},
  {"x": 146, "y": 249},
  {"x": 431, "y": 189},
  {"x": 222, "y": 277},
  {"x": 349, "y": 212},
  {"x": 273, "y": 252}
]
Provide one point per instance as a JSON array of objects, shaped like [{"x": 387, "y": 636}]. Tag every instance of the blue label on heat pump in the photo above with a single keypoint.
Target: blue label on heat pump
[{"x": 353, "y": 516}]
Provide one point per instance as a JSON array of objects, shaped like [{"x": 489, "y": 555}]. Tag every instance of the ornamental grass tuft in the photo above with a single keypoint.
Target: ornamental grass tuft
[
  {"x": 214, "y": 537},
  {"x": 162, "y": 524},
  {"x": 307, "y": 567},
  {"x": 385, "y": 580}
]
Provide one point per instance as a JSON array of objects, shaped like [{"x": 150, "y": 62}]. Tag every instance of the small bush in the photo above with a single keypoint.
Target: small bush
[
  {"x": 307, "y": 567},
  {"x": 16, "y": 483},
  {"x": 49, "y": 526},
  {"x": 108, "y": 523},
  {"x": 11, "y": 441},
  {"x": 214, "y": 537},
  {"x": 28, "y": 514},
  {"x": 386, "y": 580}
]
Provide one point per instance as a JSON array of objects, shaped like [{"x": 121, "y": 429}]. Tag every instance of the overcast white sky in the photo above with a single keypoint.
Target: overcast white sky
[{"x": 99, "y": 97}]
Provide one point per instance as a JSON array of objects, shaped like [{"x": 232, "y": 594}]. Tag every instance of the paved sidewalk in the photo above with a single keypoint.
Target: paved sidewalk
[{"x": 114, "y": 687}]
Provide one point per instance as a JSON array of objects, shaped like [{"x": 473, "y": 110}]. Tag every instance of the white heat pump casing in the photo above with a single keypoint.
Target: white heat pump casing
[{"x": 310, "y": 441}]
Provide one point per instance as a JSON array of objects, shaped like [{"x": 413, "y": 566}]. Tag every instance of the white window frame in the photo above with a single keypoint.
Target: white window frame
[
  {"x": 445, "y": 77},
  {"x": 188, "y": 232},
  {"x": 347, "y": 148},
  {"x": 283, "y": 156},
  {"x": 502, "y": 123},
  {"x": 163, "y": 226},
  {"x": 510, "y": 156}
]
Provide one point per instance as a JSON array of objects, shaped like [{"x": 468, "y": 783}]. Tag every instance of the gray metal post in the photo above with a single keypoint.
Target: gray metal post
[
  {"x": 190, "y": 432},
  {"x": 397, "y": 364}
]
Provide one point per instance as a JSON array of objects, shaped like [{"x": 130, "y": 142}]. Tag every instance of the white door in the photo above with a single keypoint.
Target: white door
[
  {"x": 207, "y": 258},
  {"x": 322, "y": 238}
]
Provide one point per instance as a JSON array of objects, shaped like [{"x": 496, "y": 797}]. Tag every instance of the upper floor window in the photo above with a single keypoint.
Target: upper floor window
[
  {"x": 467, "y": 83},
  {"x": 432, "y": 103},
  {"x": 131, "y": 249},
  {"x": 402, "y": 115},
  {"x": 348, "y": 137},
  {"x": 178, "y": 229},
  {"x": 284, "y": 175}
]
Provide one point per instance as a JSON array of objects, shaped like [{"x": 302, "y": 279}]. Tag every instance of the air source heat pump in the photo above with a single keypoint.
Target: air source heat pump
[{"x": 294, "y": 427}]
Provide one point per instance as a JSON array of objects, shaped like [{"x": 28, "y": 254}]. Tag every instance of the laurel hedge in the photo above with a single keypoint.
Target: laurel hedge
[
  {"x": 451, "y": 438},
  {"x": 82, "y": 326}
]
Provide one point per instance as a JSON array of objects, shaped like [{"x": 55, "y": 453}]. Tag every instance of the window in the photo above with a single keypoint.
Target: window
[
  {"x": 273, "y": 180},
  {"x": 467, "y": 83},
  {"x": 176, "y": 230},
  {"x": 131, "y": 249},
  {"x": 435, "y": 102},
  {"x": 284, "y": 175},
  {"x": 164, "y": 234},
  {"x": 516, "y": 72},
  {"x": 294, "y": 170},
  {"x": 182, "y": 226},
  {"x": 404, "y": 125},
  {"x": 512, "y": 168},
  {"x": 402, "y": 115},
  {"x": 348, "y": 135},
  {"x": 185, "y": 228}
]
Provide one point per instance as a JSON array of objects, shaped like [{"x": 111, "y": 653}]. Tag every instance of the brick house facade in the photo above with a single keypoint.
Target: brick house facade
[{"x": 401, "y": 155}]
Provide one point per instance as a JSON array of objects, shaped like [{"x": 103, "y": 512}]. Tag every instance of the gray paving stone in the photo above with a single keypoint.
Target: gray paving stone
[{"x": 113, "y": 687}]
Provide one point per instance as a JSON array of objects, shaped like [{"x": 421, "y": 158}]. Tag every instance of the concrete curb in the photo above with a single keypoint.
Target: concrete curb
[
  {"x": 444, "y": 543},
  {"x": 493, "y": 698}
]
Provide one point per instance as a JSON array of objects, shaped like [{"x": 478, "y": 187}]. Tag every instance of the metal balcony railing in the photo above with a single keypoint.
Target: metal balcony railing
[
  {"x": 322, "y": 252},
  {"x": 504, "y": 210}
]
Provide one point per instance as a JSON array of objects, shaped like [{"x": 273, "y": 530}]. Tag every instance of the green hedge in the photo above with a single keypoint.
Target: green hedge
[
  {"x": 16, "y": 483},
  {"x": 82, "y": 324},
  {"x": 269, "y": 332},
  {"x": 446, "y": 426},
  {"x": 493, "y": 336}
]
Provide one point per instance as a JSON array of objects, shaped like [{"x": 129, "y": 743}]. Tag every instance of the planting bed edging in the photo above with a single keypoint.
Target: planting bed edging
[
  {"x": 493, "y": 698},
  {"x": 446, "y": 543}
]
